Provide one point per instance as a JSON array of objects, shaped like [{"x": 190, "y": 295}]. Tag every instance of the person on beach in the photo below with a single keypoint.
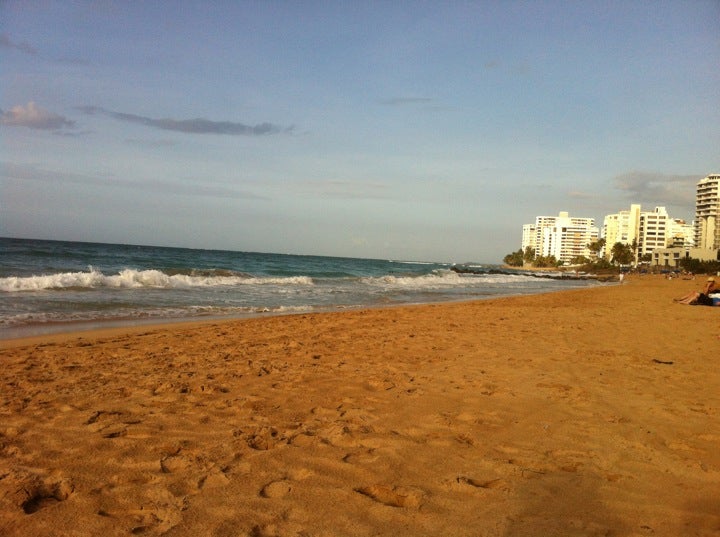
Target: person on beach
[{"x": 701, "y": 298}]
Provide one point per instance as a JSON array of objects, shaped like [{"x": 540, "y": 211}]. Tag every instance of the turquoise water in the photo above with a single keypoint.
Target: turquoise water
[{"x": 46, "y": 285}]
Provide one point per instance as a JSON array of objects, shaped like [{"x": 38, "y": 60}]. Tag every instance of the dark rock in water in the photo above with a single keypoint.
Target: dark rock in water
[
  {"x": 465, "y": 270},
  {"x": 547, "y": 275}
]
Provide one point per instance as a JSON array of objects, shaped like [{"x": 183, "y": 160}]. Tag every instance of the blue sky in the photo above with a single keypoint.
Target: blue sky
[{"x": 414, "y": 130}]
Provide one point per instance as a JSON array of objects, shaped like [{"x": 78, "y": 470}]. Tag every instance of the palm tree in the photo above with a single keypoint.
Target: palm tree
[
  {"x": 622, "y": 254},
  {"x": 529, "y": 254},
  {"x": 595, "y": 247}
]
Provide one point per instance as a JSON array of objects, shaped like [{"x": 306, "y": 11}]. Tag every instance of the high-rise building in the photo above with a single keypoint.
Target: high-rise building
[
  {"x": 707, "y": 213},
  {"x": 654, "y": 230},
  {"x": 529, "y": 237},
  {"x": 647, "y": 230},
  {"x": 681, "y": 234},
  {"x": 623, "y": 227},
  {"x": 560, "y": 236}
]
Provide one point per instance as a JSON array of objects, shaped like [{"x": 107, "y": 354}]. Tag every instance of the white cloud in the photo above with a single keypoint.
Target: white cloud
[{"x": 34, "y": 117}]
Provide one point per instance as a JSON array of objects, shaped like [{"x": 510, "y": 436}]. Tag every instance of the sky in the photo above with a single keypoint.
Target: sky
[{"x": 382, "y": 129}]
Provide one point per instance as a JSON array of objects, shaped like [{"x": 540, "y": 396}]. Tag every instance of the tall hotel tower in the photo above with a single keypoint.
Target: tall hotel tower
[
  {"x": 707, "y": 213},
  {"x": 560, "y": 236}
]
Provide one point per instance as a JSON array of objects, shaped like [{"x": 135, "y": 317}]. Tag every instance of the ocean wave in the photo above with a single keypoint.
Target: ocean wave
[
  {"x": 443, "y": 278},
  {"x": 434, "y": 279},
  {"x": 134, "y": 279},
  {"x": 206, "y": 273}
]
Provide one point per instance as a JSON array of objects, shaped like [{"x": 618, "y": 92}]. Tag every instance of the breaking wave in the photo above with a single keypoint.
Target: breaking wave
[
  {"x": 442, "y": 278},
  {"x": 134, "y": 279}
]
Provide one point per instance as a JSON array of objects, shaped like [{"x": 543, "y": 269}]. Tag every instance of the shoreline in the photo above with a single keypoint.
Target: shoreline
[
  {"x": 90, "y": 329},
  {"x": 39, "y": 330},
  {"x": 463, "y": 418},
  {"x": 555, "y": 273}
]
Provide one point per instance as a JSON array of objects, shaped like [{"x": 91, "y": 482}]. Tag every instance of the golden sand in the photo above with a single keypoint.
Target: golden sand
[{"x": 591, "y": 412}]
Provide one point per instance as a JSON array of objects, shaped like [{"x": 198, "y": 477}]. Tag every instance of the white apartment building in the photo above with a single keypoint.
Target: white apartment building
[
  {"x": 681, "y": 234},
  {"x": 529, "y": 237},
  {"x": 707, "y": 213},
  {"x": 706, "y": 228},
  {"x": 650, "y": 230},
  {"x": 561, "y": 236},
  {"x": 622, "y": 227},
  {"x": 654, "y": 231}
]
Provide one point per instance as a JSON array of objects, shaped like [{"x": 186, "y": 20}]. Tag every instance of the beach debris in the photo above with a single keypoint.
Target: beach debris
[{"x": 663, "y": 362}]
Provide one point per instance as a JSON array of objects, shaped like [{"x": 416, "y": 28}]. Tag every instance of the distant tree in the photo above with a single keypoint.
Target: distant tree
[
  {"x": 601, "y": 263},
  {"x": 580, "y": 260},
  {"x": 546, "y": 261},
  {"x": 622, "y": 254},
  {"x": 699, "y": 267},
  {"x": 595, "y": 247},
  {"x": 529, "y": 254},
  {"x": 514, "y": 259},
  {"x": 645, "y": 258}
]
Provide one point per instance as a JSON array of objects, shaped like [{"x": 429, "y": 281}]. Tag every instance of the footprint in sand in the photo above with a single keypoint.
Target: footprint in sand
[
  {"x": 379, "y": 385},
  {"x": 33, "y": 492},
  {"x": 215, "y": 479},
  {"x": 262, "y": 438},
  {"x": 394, "y": 496},
  {"x": 500, "y": 484},
  {"x": 276, "y": 489},
  {"x": 114, "y": 431},
  {"x": 175, "y": 463},
  {"x": 110, "y": 424},
  {"x": 152, "y": 509},
  {"x": 282, "y": 487},
  {"x": 303, "y": 439},
  {"x": 47, "y": 494},
  {"x": 367, "y": 456}
]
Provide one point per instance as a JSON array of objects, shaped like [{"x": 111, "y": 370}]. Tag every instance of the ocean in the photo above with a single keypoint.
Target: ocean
[{"x": 53, "y": 286}]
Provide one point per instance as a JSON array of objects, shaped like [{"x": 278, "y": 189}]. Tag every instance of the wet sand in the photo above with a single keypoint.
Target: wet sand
[{"x": 587, "y": 412}]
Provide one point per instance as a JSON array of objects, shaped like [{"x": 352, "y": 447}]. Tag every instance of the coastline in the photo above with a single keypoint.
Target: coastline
[
  {"x": 61, "y": 332},
  {"x": 578, "y": 412},
  {"x": 38, "y": 334},
  {"x": 43, "y": 329}
]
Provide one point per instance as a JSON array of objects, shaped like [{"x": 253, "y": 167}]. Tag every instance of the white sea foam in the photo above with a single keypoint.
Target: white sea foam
[
  {"x": 440, "y": 279},
  {"x": 129, "y": 315},
  {"x": 133, "y": 279},
  {"x": 194, "y": 283}
]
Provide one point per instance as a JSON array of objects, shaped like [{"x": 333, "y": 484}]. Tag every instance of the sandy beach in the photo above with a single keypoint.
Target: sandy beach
[{"x": 585, "y": 412}]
